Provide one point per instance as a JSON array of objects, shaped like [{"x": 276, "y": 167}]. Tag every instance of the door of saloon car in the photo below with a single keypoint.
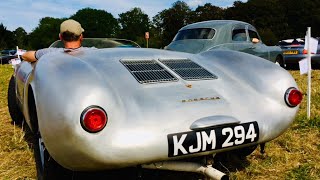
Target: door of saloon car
[
  {"x": 256, "y": 46},
  {"x": 239, "y": 38}
]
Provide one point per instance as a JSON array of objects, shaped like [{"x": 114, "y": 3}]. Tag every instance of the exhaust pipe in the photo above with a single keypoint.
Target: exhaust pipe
[{"x": 208, "y": 171}]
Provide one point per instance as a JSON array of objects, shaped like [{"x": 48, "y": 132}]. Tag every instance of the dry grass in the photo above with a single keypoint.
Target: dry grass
[
  {"x": 16, "y": 156},
  {"x": 294, "y": 155}
]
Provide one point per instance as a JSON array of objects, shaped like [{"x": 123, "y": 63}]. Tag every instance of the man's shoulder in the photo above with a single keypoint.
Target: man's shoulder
[
  {"x": 50, "y": 49},
  {"x": 41, "y": 52},
  {"x": 78, "y": 49},
  {"x": 87, "y": 48}
]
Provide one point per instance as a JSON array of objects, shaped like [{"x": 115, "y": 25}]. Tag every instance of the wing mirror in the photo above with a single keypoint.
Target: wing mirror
[{"x": 255, "y": 40}]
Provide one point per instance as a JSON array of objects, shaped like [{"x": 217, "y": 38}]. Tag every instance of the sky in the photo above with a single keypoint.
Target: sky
[{"x": 27, "y": 13}]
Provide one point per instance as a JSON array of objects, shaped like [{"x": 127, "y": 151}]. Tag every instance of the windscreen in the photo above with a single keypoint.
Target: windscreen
[
  {"x": 101, "y": 43},
  {"x": 199, "y": 33},
  {"x": 289, "y": 42}
]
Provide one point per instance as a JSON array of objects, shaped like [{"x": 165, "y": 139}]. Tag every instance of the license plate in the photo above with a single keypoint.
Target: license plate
[
  {"x": 290, "y": 52},
  {"x": 212, "y": 139}
]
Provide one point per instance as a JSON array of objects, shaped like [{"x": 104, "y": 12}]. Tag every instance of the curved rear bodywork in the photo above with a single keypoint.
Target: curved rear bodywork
[{"x": 161, "y": 105}]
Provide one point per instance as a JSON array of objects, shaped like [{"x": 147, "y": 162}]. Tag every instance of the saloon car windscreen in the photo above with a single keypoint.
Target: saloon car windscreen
[{"x": 199, "y": 33}]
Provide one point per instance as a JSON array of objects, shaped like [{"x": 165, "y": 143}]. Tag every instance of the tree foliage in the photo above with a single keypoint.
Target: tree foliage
[
  {"x": 6, "y": 38},
  {"x": 281, "y": 19},
  {"x": 207, "y": 12},
  {"x": 97, "y": 23},
  {"x": 134, "y": 24},
  {"x": 21, "y": 37},
  {"x": 46, "y": 33},
  {"x": 169, "y": 21},
  {"x": 274, "y": 20}
]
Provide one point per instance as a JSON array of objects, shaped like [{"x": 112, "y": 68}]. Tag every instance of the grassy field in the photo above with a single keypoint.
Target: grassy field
[{"x": 294, "y": 155}]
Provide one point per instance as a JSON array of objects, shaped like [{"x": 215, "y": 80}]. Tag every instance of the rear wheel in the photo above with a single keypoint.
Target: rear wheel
[
  {"x": 47, "y": 167},
  {"x": 279, "y": 61},
  {"x": 14, "y": 109}
]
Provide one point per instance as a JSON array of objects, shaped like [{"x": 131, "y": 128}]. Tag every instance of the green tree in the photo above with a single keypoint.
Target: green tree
[
  {"x": 207, "y": 12},
  {"x": 267, "y": 16},
  {"x": 268, "y": 37},
  {"x": 6, "y": 38},
  {"x": 21, "y": 37},
  {"x": 283, "y": 18},
  {"x": 134, "y": 24},
  {"x": 46, "y": 33},
  {"x": 169, "y": 21},
  {"x": 300, "y": 15},
  {"x": 155, "y": 40},
  {"x": 97, "y": 23}
]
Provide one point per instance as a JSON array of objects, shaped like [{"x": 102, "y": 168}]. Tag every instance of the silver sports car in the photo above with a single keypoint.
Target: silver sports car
[
  {"x": 223, "y": 34},
  {"x": 112, "y": 108}
]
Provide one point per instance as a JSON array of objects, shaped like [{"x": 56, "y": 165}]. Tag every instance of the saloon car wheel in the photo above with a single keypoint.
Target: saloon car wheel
[
  {"x": 279, "y": 61},
  {"x": 47, "y": 167},
  {"x": 14, "y": 110}
]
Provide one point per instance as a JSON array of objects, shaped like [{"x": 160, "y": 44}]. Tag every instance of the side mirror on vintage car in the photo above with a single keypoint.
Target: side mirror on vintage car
[{"x": 255, "y": 40}]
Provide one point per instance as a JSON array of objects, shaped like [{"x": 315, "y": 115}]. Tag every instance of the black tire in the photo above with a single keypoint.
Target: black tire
[
  {"x": 14, "y": 109},
  {"x": 47, "y": 167},
  {"x": 279, "y": 60}
]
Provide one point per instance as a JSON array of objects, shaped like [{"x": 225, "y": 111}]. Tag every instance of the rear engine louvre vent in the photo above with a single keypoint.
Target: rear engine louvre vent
[
  {"x": 188, "y": 70},
  {"x": 148, "y": 71}
]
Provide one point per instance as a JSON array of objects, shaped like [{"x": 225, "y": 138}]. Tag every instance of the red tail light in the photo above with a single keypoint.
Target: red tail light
[
  {"x": 293, "y": 97},
  {"x": 93, "y": 119},
  {"x": 305, "y": 51}
]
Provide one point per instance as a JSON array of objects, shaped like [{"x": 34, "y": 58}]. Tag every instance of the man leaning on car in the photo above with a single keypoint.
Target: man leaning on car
[{"x": 71, "y": 36}]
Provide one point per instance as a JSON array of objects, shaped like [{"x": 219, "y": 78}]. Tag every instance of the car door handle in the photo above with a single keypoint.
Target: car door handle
[{"x": 252, "y": 47}]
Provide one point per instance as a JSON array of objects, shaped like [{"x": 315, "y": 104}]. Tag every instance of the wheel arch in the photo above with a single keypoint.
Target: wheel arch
[
  {"x": 280, "y": 60},
  {"x": 32, "y": 109}
]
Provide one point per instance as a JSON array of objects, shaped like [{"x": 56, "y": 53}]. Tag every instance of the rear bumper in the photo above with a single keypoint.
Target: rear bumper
[{"x": 294, "y": 59}]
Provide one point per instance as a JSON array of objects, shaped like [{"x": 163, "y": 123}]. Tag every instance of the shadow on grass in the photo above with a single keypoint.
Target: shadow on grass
[
  {"x": 228, "y": 162},
  {"x": 296, "y": 66}
]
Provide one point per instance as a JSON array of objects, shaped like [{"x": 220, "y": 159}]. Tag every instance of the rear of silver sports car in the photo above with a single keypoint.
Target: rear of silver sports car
[{"x": 126, "y": 108}]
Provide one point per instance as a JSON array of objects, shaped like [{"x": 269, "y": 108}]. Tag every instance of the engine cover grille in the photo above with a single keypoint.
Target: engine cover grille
[
  {"x": 188, "y": 69},
  {"x": 148, "y": 71}
]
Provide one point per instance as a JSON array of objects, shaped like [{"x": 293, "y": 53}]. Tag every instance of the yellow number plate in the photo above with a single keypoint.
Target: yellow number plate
[{"x": 290, "y": 52}]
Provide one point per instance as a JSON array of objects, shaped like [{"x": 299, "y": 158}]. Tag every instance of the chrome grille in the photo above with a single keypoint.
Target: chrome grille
[
  {"x": 188, "y": 69},
  {"x": 148, "y": 71}
]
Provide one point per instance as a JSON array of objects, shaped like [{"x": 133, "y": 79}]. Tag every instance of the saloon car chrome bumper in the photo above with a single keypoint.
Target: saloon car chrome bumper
[{"x": 294, "y": 59}]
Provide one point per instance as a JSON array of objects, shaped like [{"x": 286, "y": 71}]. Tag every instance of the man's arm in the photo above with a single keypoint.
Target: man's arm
[{"x": 29, "y": 56}]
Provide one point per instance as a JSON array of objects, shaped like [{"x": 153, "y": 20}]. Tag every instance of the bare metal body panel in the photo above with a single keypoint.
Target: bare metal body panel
[{"x": 141, "y": 116}]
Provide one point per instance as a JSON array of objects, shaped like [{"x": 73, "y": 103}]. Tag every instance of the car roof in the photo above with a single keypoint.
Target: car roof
[{"x": 213, "y": 24}]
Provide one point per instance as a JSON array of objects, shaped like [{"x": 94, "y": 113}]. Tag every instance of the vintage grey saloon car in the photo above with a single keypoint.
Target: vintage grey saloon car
[
  {"x": 223, "y": 34},
  {"x": 113, "y": 108}
]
